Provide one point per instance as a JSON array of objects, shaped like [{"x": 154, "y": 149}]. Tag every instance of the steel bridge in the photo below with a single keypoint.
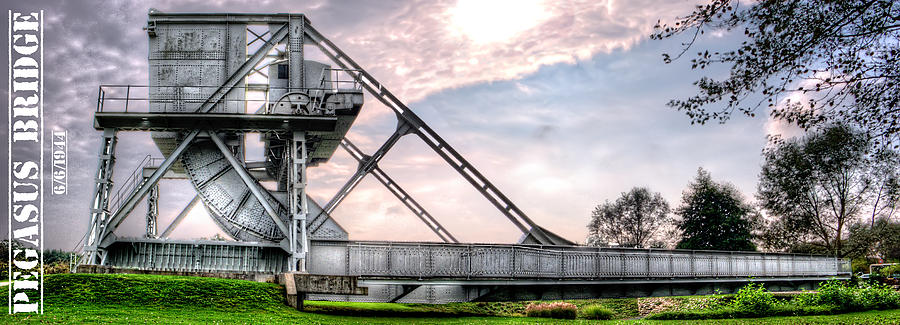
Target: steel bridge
[
  {"x": 216, "y": 77},
  {"x": 394, "y": 270}
]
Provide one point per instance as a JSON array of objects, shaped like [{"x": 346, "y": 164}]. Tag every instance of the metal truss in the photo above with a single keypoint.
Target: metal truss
[
  {"x": 432, "y": 272},
  {"x": 152, "y": 212},
  {"x": 501, "y": 262},
  {"x": 111, "y": 223},
  {"x": 299, "y": 202},
  {"x": 297, "y": 155},
  {"x": 251, "y": 184},
  {"x": 102, "y": 190},
  {"x": 409, "y": 122},
  {"x": 184, "y": 212},
  {"x": 143, "y": 189},
  {"x": 294, "y": 29},
  {"x": 400, "y": 193},
  {"x": 365, "y": 167}
]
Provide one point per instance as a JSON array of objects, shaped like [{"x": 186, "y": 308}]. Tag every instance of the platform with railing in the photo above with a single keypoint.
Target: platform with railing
[{"x": 156, "y": 108}]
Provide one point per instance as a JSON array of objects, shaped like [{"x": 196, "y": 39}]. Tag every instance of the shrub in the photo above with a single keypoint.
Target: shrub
[
  {"x": 596, "y": 312},
  {"x": 877, "y": 296},
  {"x": 834, "y": 292},
  {"x": 754, "y": 299},
  {"x": 833, "y": 297},
  {"x": 56, "y": 268},
  {"x": 863, "y": 296},
  {"x": 892, "y": 271},
  {"x": 562, "y": 310},
  {"x": 806, "y": 299}
]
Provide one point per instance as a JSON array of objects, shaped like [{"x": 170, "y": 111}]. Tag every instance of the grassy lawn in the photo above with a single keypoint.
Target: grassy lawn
[
  {"x": 136, "y": 299},
  {"x": 286, "y": 315},
  {"x": 133, "y": 315},
  {"x": 623, "y": 308}
]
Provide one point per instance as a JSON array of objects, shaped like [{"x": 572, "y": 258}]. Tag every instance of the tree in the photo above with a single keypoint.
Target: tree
[
  {"x": 839, "y": 56},
  {"x": 713, "y": 216},
  {"x": 54, "y": 260},
  {"x": 879, "y": 240},
  {"x": 815, "y": 187},
  {"x": 634, "y": 220}
]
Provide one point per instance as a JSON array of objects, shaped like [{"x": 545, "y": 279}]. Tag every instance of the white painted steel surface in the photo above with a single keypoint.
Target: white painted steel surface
[
  {"x": 498, "y": 261},
  {"x": 427, "y": 260}
]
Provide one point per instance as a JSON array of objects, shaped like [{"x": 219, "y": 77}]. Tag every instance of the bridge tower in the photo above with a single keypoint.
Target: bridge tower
[{"x": 214, "y": 80}]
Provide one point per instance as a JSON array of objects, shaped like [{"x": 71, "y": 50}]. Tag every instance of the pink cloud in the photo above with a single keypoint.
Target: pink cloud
[
  {"x": 416, "y": 49},
  {"x": 427, "y": 47}
]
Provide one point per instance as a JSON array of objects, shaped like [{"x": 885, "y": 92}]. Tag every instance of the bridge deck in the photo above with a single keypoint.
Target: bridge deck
[
  {"x": 468, "y": 262},
  {"x": 387, "y": 260},
  {"x": 442, "y": 273}
]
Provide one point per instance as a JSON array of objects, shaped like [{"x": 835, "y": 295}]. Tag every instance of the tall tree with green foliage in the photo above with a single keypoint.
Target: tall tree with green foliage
[
  {"x": 633, "y": 220},
  {"x": 878, "y": 240},
  {"x": 815, "y": 187},
  {"x": 840, "y": 57},
  {"x": 713, "y": 216}
]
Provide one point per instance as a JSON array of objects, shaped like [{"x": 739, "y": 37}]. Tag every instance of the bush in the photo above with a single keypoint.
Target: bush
[
  {"x": 892, "y": 271},
  {"x": 806, "y": 299},
  {"x": 562, "y": 310},
  {"x": 863, "y": 296},
  {"x": 834, "y": 292},
  {"x": 878, "y": 297},
  {"x": 754, "y": 299},
  {"x": 833, "y": 297},
  {"x": 596, "y": 312},
  {"x": 56, "y": 268}
]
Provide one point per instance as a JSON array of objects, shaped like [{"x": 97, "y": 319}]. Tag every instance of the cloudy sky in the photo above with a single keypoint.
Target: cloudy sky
[{"x": 560, "y": 103}]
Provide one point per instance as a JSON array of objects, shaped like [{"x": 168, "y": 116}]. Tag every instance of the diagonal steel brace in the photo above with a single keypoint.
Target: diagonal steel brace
[
  {"x": 401, "y": 194},
  {"x": 431, "y": 138},
  {"x": 207, "y": 105},
  {"x": 364, "y": 168}
]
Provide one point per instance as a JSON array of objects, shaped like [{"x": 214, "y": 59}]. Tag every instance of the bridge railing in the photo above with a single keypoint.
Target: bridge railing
[
  {"x": 512, "y": 261},
  {"x": 138, "y": 98}
]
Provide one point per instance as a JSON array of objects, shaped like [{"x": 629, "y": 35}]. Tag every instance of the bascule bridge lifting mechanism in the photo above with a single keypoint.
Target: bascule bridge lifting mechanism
[
  {"x": 198, "y": 109},
  {"x": 217, "y": 78}
]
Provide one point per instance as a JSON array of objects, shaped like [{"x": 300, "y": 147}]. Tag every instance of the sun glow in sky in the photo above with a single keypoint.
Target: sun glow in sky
[{"x": 495, "y": 21}]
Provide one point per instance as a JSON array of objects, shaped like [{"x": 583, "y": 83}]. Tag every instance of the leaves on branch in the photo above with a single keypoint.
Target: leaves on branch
[
  {"x": 841, "y": 57},
  {"x": 815, "y": 187},
  {"x": 713, "y": 216}
]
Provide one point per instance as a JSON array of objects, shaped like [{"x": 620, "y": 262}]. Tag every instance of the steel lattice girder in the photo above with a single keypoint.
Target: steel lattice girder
[{"x": 408, "y": 122}]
